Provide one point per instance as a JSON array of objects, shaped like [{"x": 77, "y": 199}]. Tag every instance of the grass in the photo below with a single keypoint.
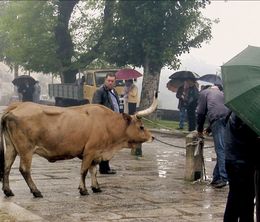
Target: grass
[{"x": 160, "y": 124}]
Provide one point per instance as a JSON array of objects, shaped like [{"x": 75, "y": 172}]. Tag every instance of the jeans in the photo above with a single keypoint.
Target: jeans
[
  {"x": 182, "y": 116},
  {"x": 218, "y": 132}
]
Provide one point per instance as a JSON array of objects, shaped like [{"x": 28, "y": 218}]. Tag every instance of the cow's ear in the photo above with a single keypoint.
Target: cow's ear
[{"x": 127, "y": 118}]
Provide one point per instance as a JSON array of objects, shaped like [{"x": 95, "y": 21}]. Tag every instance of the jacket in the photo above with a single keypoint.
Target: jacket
[
  {"x": 101, "y": 96},
  {"x": 132, "y": 96}
]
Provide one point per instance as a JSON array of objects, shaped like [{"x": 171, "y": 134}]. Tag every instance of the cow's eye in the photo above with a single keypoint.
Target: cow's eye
[{"x": 141, "y": 127}]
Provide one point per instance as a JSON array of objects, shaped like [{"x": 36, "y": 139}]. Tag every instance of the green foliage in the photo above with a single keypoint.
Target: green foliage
[
  {"x": 156, "y": 30},
  {"x": 26, "y": 29},
  {"x": 109, "y": 32},
  {"x": 86, "y": 25}
]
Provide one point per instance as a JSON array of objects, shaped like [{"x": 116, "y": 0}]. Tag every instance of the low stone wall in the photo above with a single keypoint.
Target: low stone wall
[{"x": 166, "y": 114}]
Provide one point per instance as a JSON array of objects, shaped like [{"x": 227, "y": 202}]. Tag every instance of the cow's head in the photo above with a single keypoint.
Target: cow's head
[{"x": 136, "y": 132}]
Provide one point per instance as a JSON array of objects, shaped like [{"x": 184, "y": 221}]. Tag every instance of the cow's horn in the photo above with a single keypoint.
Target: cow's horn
[{"x": 149, "y": 110}]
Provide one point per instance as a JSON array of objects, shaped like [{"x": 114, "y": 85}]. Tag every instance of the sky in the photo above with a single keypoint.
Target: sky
[{"x": 238, "y": 28}]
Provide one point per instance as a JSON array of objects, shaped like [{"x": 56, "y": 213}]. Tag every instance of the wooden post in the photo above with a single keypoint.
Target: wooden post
[{"x": 194, "y": 158}]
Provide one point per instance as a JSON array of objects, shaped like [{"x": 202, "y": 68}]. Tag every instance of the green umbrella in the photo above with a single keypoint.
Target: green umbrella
[{"x": 241, "y": 80}]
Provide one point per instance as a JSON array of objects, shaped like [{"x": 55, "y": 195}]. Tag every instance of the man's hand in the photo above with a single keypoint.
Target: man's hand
[{"x": 200, "y": 134}]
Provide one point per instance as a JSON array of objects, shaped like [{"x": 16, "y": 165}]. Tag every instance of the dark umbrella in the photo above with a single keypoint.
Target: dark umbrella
[
  {"x": 211, "y": 78},
  {"x": 174, "y": 84},
  {"x": 241, "y": 80},
  {"x": 184, "y": 75},
  {"x": 178, "y": 78},
  {"x": 20, "y": 80},
  {"x": 125, "y": 74}
]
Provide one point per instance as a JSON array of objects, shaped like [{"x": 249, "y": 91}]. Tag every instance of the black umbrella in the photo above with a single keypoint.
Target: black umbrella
[
  {"x": 211, "y": 78},
  {"x": 184, "y": 75},
  {"x": 20, "y": 80}
]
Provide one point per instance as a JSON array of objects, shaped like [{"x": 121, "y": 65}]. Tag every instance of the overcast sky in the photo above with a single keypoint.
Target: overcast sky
[{"x": 238, "y": 28}]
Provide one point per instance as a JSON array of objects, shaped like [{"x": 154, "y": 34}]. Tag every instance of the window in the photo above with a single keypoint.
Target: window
[{"x": 89, "y": 79}]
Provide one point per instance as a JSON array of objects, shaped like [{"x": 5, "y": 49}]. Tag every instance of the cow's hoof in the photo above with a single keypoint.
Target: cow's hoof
[
  {"x": 8, "y": 193},
  {"x": 37, "y": 194},
  {"x": 83, "y": 192},
  {"x": 96, "y": 190}
]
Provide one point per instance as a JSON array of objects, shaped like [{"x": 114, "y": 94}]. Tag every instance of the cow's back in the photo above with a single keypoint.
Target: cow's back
[{"x": 58, "y": 132}]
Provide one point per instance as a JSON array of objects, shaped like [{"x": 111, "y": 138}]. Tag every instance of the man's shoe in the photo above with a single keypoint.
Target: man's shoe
[
  {"x": 214, "y": 182},
  {"x": 220, "y": 184},
  {"x": 179, "y": 128},
  {"x": 108, "y": 172}
]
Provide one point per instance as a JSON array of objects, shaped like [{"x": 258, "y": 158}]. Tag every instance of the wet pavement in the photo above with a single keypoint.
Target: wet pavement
[{"x": 150, "y": 188}]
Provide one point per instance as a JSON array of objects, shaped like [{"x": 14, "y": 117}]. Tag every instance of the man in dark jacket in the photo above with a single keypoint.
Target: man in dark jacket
[
  {"x": 181, "y": 106},
  {"x": 211, "y": 105},
  {"x": 242, "y": 163},
  {"x": 26, "y": 90},
  {"x": 192, "y": 101},
  {"x": 106, "y": 95}
]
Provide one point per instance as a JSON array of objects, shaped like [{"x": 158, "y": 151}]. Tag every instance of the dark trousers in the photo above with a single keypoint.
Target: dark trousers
[
  {"x": 104, "y": 166},
  {"x": 191, "y": 116},
  {"x": 257, "y": 189},
  {"x": 240, "y": 201},
  {"x": 131, "y": 108}
]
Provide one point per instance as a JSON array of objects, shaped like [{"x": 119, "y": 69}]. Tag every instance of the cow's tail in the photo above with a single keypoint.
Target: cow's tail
[
  {"x": 2, "y": 149},
  {"x": 5, "y": 136}
]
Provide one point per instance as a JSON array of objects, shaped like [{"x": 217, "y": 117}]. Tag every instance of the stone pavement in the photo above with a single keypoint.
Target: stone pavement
[{"x": 147, "y": 189}]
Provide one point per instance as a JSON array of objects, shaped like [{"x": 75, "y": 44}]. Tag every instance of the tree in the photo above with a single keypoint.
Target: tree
[
  {"x": 153, "y": 34},
  {"x": 37, "y": 37},
  {"x": 63, "y": 36},
  {"x": 41, "y": 36},
  {"x": 26, "y": 26}
]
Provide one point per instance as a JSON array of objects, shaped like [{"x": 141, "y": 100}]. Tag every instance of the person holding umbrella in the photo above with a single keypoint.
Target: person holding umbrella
[
  {"x": 130, "y": 96},
  {"x": 242, "y": 162},
  {"x": 241, "y": 80},
  {"x": 26, "y": 90},
  {"x": 188, "y": 96},
  {"x": 181, "y": 92},
  {"x": 25, "y": 87},
  {"x": 191, "y": 101}
]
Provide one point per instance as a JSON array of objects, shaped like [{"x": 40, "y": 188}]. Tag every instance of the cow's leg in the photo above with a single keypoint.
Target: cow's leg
[
  {"x": 94, "y": 184},
  {"x": 10, "y": 155},
  {"x": 25, "y": 169},
  {"x": 86, "y": 163}
]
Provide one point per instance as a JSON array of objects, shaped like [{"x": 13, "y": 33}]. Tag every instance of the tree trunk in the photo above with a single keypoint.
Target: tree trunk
[
  {"x": 16, "y": 71},
  {"x": 150, "y": 84},
  {"x": 64, "y": 41},
  {"x": 97, "y": 50}
]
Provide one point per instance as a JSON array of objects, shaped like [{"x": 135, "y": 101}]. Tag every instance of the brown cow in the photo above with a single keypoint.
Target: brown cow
[{"x": 89, "y": 132}]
